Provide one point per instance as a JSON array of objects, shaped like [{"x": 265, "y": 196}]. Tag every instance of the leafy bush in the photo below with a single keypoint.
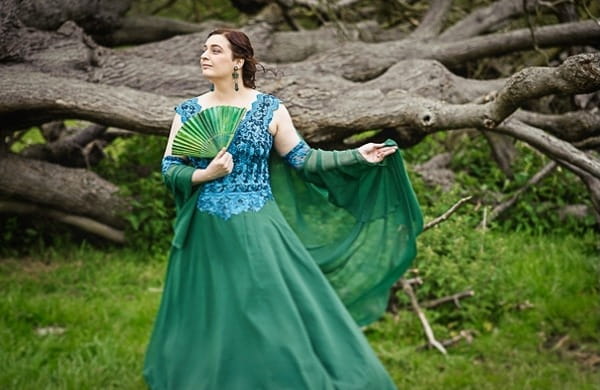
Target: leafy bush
[{"x": 134, "y": 164}]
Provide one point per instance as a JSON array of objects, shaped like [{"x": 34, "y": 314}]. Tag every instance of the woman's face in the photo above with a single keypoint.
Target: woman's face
[{"x": 217, "y": 58}]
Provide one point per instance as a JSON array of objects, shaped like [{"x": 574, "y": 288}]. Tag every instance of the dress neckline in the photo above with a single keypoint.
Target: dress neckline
[{"x": 253, "y": 105}]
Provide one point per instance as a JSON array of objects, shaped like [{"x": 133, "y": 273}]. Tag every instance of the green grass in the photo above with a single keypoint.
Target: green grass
[{"x": 106, "y": 301}]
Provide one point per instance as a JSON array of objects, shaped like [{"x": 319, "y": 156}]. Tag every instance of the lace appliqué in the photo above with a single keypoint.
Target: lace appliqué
[
  {"x": 297, "y": 155},
  {"x": 169, "y": 161},
  {"x": 188, "y": 108},
  {"x": 247, "y": 187},
  {"x": 227, "y": 204}
]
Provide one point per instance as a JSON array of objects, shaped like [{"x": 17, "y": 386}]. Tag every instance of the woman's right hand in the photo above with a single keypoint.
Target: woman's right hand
[{"x": 221, "y": 165}]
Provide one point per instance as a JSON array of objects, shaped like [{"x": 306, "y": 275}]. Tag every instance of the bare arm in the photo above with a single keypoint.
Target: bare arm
[
  {"x": 286, "y": 137},
  {"x": 175, "y": 126}
]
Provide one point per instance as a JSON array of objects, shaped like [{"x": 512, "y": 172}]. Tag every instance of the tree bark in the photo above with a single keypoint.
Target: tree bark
[
  {"x": 485, "y": 19},
  {"x": 433, "y": 22},
  {"x": 83, "y": 223},
  {"x": 334, "y": 85},
  {"x": 94, "y": 16},
  {"x": 71, "y": 190},
  {"x": 82, "y": 149},
  {"x": 134, "y": 30}
]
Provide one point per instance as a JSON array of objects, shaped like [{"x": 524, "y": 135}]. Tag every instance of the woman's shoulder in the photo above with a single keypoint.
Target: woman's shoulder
[
  {"x": 188, "y": 107},
  {"x": 273, "y": 101}
]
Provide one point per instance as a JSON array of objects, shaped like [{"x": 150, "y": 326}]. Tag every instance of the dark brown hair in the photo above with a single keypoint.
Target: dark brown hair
[{"x": 241, "y": 48}]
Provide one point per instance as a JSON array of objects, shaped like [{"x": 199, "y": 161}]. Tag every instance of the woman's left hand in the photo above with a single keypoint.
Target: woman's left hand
[{"x": 376, "y": 153}]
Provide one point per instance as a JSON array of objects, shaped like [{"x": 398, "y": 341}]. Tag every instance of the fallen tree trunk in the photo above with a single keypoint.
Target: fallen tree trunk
[
  {"x": 340, "y": 89},
  {"x": 74, "y": 191},
  {"x": 83, "y": 223}
]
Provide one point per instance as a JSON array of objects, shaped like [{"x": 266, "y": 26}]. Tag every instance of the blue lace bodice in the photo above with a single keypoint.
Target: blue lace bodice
[{"x": 247, "y": 187}]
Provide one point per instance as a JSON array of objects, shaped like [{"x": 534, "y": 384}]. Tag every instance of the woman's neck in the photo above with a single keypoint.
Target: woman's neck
[{"x": 227, "y": 94}]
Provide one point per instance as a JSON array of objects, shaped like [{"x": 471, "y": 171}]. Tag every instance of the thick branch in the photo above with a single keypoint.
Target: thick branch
[
  {"x": 553, "y": 147},
  {"x": 485, "y": 19},
  {"x": 83, "y": 223},
  {"x": 68, "y": 150},
  {"x": 433, "y": 21},
  {"x": 95, "y": 16},
  {"x": 592, "y": 183},
  {"x": 82, "y": 191},
  {"x": 578, "y": 74},
  {"x": 565, "y": 34},
  {"x": 503, "y": 151},
  {"x": 142, "y": 29},
  {"x": 28, "y": 99},
  {"x": 361, "y": 61},
  {"x": 570, "y": 126}
]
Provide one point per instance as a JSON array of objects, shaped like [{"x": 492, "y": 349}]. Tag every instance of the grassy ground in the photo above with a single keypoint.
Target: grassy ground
[{"x": 98, "y": 308}]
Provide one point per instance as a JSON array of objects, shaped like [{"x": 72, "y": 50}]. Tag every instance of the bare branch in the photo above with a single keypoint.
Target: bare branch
[
  {"x": 447, "y": 214},
  {"x": 28, "y": 99},
  {"x": 433, "y": 21},
  {"x": 73, "y": 190},
  {"x": 570, "y": 126},
  {"x": 163, "y": 6},
  {"x": 535, "y": 82},
  {"x": 450, "y": 298},
  {"x": 484, "y": 19},
  {"x": 502, "y": 207},
  {"x": 588, "y": 143},
  {"x": 565, "y": 34},
  {"x": 415, "y": 305},
  {"x": 550, "y": 145},
  {"x": 462, "y": 335},
  {"x": 592, "y": 183},
  {"x": 70, "y": 150},
  {"x": 86, "y": 224},
  {"x": 143, "y": 28}
]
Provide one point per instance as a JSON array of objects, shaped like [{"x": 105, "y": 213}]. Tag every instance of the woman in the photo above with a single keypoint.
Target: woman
[{"x": 245, "y": 304}]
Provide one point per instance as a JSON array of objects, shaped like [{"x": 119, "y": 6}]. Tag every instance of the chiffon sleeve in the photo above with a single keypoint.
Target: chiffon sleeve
[
  {"x": 358, "y": 220},
  {"x": 177, "y": 176}
]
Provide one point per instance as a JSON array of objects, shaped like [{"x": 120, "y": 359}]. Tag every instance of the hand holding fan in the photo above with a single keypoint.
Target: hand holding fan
[{"x": 207, "y": 132}]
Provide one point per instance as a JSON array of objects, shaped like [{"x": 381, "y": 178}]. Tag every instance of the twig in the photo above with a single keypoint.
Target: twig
[
  {"x": 463, "y": 335},
  {"x": 590, "y": 14},
  {"x": 415, "y": 304},
  {"x": 285, "y": 7},
  {"x": 532, "y": 33},
  {"x": 163, "y": 6},
  {"x": 447, "y": 214},
  {"x": 450, "y": 298},
  {"x": 412, "y": 281},
  {"x": 502, "y": 207}
]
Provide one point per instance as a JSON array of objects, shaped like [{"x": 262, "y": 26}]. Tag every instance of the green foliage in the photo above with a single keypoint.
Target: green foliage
[
  {"x": 104, "y": 302},
  {"x": 134, "y": 164},
  {"x": 27, "y": 138},
  {"x": 477, "y": 174},
  {"x": 529, "y": 293},
  {"x": 189, "y": 10}
]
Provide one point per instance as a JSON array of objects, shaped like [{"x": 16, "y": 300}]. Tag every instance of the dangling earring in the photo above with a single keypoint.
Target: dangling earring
[
  {"x": 235, "y": 76},
  {"x": 212, "y": 87}
]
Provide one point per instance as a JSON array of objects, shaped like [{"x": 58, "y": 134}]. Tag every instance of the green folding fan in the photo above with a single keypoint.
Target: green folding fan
[{"x": 207, "y": 132}]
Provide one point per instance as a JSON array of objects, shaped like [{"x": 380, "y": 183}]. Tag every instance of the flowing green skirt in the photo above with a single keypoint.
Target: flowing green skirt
[{"x": 246, "y": 307}]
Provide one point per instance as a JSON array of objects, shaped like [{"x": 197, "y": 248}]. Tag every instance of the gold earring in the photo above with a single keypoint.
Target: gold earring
[{"x": 235, "y": 76}]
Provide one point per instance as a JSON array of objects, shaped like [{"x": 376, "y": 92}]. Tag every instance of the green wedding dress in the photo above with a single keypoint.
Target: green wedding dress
[{"x": 274, "y": 267}]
